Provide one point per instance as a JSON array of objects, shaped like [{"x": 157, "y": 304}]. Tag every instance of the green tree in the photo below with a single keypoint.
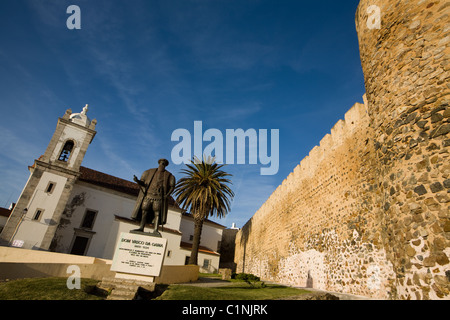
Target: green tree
[{"x": 203, "y": 191}]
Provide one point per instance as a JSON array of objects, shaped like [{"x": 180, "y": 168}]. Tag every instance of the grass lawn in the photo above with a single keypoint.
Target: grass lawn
[
  {"x": 56, "y": 289},
  {"x": 48, "y": 289},
  {"x": 236, "y": 291}
]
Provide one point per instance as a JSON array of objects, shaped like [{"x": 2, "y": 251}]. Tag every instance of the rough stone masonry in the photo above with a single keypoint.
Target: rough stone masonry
[{"x": 367, "y": 212}]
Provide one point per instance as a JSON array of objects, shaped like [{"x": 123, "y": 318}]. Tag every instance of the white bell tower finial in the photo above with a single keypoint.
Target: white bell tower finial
[
  {"x": 85, "y": 109},
  {"x": 81, "y": 118}
]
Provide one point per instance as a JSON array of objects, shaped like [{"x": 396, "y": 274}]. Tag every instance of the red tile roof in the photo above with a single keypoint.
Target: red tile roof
[
  {"x": 107, "y": 181},
  {"x": 188, "y": 246},
  {"x": 113, "y": 183},
  {"x": 121, "y": 185}
]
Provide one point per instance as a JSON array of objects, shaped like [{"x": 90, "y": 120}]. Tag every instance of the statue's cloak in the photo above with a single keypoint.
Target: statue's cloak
[{"x": 147, "y": 178}]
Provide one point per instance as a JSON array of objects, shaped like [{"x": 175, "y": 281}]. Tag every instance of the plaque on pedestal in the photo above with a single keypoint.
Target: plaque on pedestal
[{"x": 139, "y": 254}]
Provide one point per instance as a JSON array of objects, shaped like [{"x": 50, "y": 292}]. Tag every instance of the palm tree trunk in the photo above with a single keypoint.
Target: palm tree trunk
[{"x": 198, "y": 226}]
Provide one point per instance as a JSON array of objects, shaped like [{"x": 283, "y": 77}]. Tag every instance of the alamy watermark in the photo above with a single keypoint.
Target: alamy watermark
[
  {"x": 374, "y": 19},
  {"x": 237, "y": 142},
  {"x": 74, "y": 21},
  {"x": 74, "y": 280}
]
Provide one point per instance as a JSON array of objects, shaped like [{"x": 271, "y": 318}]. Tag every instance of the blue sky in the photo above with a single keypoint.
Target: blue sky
[{"x": 147, "y": 68}]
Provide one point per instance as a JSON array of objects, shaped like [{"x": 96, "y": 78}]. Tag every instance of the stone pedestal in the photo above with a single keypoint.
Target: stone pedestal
[{"x": 138, "y": 256}]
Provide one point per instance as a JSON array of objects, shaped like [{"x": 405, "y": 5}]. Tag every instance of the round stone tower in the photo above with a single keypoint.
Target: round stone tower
[{"x": 404, "y": 48}]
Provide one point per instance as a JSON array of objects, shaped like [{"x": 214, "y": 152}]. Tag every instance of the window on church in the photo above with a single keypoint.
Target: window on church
[
  {"x": 88, "y": 220},
  {"x": 37, "y": 214},
  {"x": 79, "y": 246},
  {"x": 50, "y": 187},
  {"x": 65, "y": 153}
]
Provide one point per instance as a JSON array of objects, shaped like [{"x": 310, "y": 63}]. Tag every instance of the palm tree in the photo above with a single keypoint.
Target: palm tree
[{"x": 203, "y": 191}]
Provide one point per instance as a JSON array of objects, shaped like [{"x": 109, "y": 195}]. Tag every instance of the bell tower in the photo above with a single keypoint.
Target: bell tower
[{"x": 36, "y": 215}]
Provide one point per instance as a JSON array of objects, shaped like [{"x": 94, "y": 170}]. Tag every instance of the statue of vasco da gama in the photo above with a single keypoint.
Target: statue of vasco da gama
[{"x": 152, "y": 203}]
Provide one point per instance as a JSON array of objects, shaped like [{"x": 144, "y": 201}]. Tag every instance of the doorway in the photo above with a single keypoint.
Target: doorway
[{"x": 79, "y": 246}]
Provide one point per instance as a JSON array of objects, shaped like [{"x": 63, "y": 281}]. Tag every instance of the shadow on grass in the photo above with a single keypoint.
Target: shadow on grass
[
  {"x": 49, "y": 289},
  {"x": 96, "y": 291},
  {"x": 229, "y": 292},
  {"x": 269, "y": 287},
  {"x": 144, "y": 294}
]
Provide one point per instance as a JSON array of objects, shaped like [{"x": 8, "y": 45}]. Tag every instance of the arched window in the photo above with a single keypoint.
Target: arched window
[{"x": 65, "y": 153}]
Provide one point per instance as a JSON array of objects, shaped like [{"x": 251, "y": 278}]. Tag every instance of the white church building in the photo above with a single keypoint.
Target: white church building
[{"x": 67, "y": 208}]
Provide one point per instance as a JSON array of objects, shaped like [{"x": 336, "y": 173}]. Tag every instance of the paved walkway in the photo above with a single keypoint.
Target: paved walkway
[
  {"x": 209, "y": 282},
  {"x": 341, "y": 296},
  {"x": 216, "y": 282}
]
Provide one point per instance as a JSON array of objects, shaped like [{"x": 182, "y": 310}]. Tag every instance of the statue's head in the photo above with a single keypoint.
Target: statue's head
[{"x": 163, "y": 162}]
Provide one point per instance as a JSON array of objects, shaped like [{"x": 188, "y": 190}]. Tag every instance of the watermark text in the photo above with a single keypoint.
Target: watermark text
[
  {"x": 374, "y": 19},
  {"x": 74, "y": 21},
  {"x": 74, "y": 280},
  {"x": 237, "y": 143}
]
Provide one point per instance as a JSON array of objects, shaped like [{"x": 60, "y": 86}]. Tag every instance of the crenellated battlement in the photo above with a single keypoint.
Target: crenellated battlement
[{"x": 355, "y": 117}]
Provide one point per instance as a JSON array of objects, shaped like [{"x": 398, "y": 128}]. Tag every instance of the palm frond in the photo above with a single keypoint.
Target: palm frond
[{"x": 204, "y": 189}]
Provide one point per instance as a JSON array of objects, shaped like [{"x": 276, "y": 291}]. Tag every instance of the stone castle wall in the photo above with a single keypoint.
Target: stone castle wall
[
  {"x": 319, "y": 227},
  {"x": 367, "y": 212}
]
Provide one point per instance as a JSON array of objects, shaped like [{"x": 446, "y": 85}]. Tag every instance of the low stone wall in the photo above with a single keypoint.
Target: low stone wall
[
  {"x": 18, "y": 263},
  {"x": 178, "y": 274},
  {"x": 11, "y": 271},
  {"x": 9, "y": 254},
  {"x": 18, "y": 270}
]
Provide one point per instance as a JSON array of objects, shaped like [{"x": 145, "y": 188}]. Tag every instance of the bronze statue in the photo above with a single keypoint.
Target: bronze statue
[{"x": 152, "y": 203}]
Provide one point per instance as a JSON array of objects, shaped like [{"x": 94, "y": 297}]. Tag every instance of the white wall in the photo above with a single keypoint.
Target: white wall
[
  {"x": 32, "y": 231},
  {"x": 210, "y": 238},
  {"x": 173, "y": 220},
  {"x": 211, "y": 233},
  {"x": 214, "y": 260},
  {"x": 106, "y": 204}
]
